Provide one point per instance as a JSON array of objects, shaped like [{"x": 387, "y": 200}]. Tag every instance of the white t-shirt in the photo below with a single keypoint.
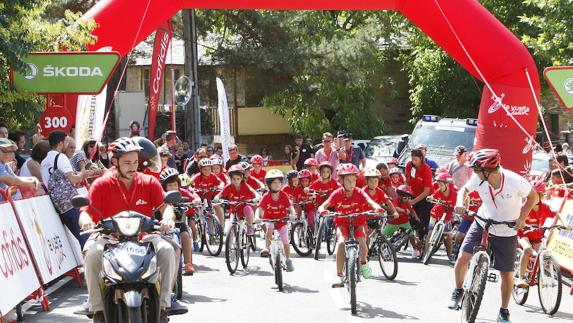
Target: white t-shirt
[
  {"x": 24, "y": 170},
  {"x": 508, "y": 200},
  {"x": 48, "y": 165}
]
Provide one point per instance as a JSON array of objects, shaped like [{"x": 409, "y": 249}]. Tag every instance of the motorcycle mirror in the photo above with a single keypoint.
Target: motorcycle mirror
[
  {"x": 80, "y": 201},
  {"x": 172, "y": 197}
]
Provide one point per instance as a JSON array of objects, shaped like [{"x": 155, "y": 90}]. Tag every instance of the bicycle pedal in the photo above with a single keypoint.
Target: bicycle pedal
[{"x": 492, "y": 278}]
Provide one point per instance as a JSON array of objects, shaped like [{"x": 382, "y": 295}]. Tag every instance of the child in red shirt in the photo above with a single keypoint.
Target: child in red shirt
[
  {"x": 301, "y": 196},
  {"x": 218, "y": 169},
  {"x": 238, "y": 191},
  {"x": 396, "y": 177},
  {"x": 447, "y": 195},
  {"x": 251, "y": 180},
  {"x": 312, "y": 165},
  {"x": 258, "y": 172},
  {"x": 276, "y": 205},
  {"x": 405, "y": 211},
  {"x": 372, "y": 177},
  {"x": 530, "y": 240},
  {"x": 385, "y": 182},
  {"x": 207, "y": 184},
  {"x": 325, "y": 185},
  {"x": 292, "y": 183}
]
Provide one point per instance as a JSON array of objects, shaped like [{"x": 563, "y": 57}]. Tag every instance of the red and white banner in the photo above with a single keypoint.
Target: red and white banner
[
  {"x": 17, "y": 275},
  {"x": 160, "y": 48},
  {"x": 47, "y": 236}
]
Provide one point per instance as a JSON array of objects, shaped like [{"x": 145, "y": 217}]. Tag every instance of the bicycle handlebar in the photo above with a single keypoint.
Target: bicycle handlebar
[
  {"x": 510, "y": 224},
  {"x": 355, "y": 215}
]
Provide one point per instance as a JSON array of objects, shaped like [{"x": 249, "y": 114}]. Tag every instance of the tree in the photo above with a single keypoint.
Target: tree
[{"x": 25, "y": 27}]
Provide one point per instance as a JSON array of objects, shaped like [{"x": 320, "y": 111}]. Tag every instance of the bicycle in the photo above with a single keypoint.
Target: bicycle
[
  {"x": 302, "y": 236},
  {"x": 379, "y": 246},
  {"x": 325, "y": 232},
  {"x": 351, "y": 257},
  {"x": 542, "y": 270},
  {"x": 277, "y": 257},
  {"x": 399, "y": 240},
  {"x": 474, "y": 284},
  {"x": 437, "y": 236},
  {"x": 209, "y": 227},
  {"x": 237, "y": 244}
]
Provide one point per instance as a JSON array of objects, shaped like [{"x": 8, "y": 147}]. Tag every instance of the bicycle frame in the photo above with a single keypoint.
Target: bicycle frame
[{"x": 479, "y": 251}]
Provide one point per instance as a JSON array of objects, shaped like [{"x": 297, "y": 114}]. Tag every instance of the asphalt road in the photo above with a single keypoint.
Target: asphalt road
[{"x": 419, "y": 293}]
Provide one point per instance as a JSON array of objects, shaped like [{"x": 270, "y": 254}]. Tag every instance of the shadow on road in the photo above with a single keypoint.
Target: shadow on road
[
  {"x": 252, "y": 270},
  {"x": 200, "y": 268},
  {"x": 288, "y": 289},
  {"x": 367, "y": 311},
  {"x": 558, "y": 315},
  {"x": 395, "y": 281}
]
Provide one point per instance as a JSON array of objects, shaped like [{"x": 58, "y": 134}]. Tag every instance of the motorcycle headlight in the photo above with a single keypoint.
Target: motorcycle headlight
[
  {"x": 109, "y": 271},
  {"x": 151, "y": 269},
  {"x": 128, "y": 227}
]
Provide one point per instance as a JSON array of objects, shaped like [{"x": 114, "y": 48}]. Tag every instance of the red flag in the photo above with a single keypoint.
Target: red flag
[{"x": 161, "y": 46}]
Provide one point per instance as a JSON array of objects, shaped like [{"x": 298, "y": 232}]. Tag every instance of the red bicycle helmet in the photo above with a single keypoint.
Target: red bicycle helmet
[
  {"x": 443, "y": 177},
  {"x": 325, "y": 164},
  {"x": 305, "y": 173},
  {"x": 257, "y": 160},
  {"x": 310, "y": 162},
  {"x": 348, "y": 169},
  {"x": 485, "y": 159},
  {"x": 405, "y": 190},
  {"x": 236, "y": 169},
  {"x": 539, "y": 186}
]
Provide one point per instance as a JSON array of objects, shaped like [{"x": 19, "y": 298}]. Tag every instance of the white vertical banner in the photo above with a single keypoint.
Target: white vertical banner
[
  {"x": 224, "y": 119},
  {"x": 89, "y": 117}
]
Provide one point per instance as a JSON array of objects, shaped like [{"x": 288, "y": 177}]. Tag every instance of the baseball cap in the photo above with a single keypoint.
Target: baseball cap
[{"x": 7, "y": 143}]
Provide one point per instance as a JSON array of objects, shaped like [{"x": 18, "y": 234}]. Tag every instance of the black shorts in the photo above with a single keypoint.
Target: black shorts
[
  {"x": 504, "y": 248},
  {"x": 183, "y": 227}
]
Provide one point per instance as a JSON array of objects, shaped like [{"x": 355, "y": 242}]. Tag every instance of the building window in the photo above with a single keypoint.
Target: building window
[{"x": 145, "y": 81}]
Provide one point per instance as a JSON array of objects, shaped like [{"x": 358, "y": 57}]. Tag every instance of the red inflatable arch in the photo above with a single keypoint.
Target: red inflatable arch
[{"x": 498, "y": 54}]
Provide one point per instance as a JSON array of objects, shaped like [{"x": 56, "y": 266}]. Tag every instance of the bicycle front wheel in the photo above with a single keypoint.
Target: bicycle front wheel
[
  {"x": 549, "y": 284},
  {"x": 278, "y": 271},
  {"x": 319, "y": 234},
  {"x": 387, "y": 259},
  {"x": 232, "y": 250},
  {"x": 519, "y": 294},
  {"x": 301, "y": 240},
  {"x": 330, "y": 238},
  {"x": 433, "y": 243},
  {"x": 474, "y": 294},
  {"x": 214, "y": 236},
  {"x": 351, "y": 274},
  {"x": 245, "y": 249}
]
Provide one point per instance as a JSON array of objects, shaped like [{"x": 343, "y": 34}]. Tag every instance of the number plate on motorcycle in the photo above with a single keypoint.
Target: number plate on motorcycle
[{"x": 135, "y": 250}]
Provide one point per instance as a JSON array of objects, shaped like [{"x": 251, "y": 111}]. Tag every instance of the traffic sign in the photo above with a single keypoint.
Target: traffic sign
[
  {"x": 66, "y": 72},
  {"x": 561, "y": 81}
]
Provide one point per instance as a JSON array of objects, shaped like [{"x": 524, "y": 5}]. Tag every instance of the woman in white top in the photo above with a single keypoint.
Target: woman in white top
[{"x": 32, "y": 165}]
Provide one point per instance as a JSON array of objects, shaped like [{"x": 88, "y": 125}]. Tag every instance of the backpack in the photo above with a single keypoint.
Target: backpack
[{"x": 60, "y": 188}]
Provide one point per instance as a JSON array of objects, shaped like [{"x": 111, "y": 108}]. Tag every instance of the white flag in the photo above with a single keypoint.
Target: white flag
[
  {"x": 224, "y": 119},
  {"x": 89, "y": 117}
]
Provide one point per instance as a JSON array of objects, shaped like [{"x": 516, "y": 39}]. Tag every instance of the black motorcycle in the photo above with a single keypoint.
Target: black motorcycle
[{"x": 130, "y": 284}]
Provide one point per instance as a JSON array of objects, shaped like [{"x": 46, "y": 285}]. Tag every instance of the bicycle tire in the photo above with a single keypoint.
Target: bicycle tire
[
  {"x": 472, "y": 300},
  {"x": 331, "y": 238},
  {"x": 387, "y": 255},
  {"x": 297, "y": 244},
  {"x": 232, "y": 250},
  {"x": 278, "y": 272},
  {"x": 318, "y": 240},
  {"x": 549, "y": 307},
  {"x": 351, "y": 273},
  {"x": 179, "y": 283},
  {"x": 214, "y": 239},
  {"x": 201, "y": 233},
  {"x": 245, "y": 249},
  {"x": 519, "y": 294},
  {"x": 434, "y": 244},
  {"x": 134, "y": 315}
]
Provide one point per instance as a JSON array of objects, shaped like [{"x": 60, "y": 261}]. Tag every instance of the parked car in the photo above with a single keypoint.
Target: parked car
[
  {"x": 380, "y": 149},
  {"x": 441, "y": 136},
  {"x": 540, "y": 163}
]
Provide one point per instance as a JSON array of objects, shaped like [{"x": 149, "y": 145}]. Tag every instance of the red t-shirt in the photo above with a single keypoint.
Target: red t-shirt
[
  {"x": 402, "y": 216},
  {"x": 223, "y": 178},
  {"x": 399, "y": 182},
  {"x": 254, "y": 183},
  {"x": 202, "y": 182},
  {"x": 191, "y": 196},
  {"x": 450, "y": 201},
  {"x": 356, "y": 203},
  {"x": 421, "y": 178},
  {"x": 385, "y": 182},
  {"x": 259, "y": 176},
  {"x": 361, "y": 180},
  {"x": 475, "y": 203},
  {"x": 290, "y": 191},
  {"x": 244, "y": 193},
  {"x": 300, "y": 195},
  {"x": 110, "y": 196},
  {"x": 275, "y": 209},
  {"x": 538, "y": 218},
  {"x": 313, "y": 177},
  {"x": 379, "y": 196},
  {"x": 148, "y": 171},
  {"x": 325, "y": 189}
]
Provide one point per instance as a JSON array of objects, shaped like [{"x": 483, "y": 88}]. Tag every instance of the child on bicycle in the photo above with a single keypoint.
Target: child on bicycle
[
  {"x": 312, "y": 165},
  {"x": 405, "y": 211},
  {"x": 530, "y": 240},
  {"x": 170, "y": 181},
  {"x": 292, "y": 183},
  {"x": 250, "y": 179},
  {"x": 385, "y": 182},
  {"x": 447, "y": 195},
  {"x": 396, "y": 177},
  {"x": 276, "y": 204},
  {"x": 301, "y": 195},
  {"x": 238, "y": 191},
  {"x": 372, "y": 177},
  {"x": 325, "y": 185},
  {"x": 218, "y": 170},
  {"x": 258, "y": 172},
  {"x": 349, "y": 200}
]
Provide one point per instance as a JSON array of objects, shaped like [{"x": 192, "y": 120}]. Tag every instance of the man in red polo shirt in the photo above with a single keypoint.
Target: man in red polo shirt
[
  {"x": 419, "y": 178},
  {"x": 121, "y": 190}
]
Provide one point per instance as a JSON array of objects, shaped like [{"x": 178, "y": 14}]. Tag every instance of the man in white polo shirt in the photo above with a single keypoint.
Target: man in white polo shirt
[{"x": 506, "y": 197}]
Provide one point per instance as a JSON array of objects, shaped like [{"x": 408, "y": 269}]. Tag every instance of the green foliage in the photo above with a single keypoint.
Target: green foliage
[{"x": 25, "y": 27}]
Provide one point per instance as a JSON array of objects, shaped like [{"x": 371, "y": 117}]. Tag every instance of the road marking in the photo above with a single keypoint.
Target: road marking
[{"x": 329, "y": 276}]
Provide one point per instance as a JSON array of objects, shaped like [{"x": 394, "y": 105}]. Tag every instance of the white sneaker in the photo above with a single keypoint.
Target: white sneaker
[{"x": 414, "y": 254}]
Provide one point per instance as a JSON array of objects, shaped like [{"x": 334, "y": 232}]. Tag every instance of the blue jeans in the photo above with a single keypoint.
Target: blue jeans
[{"x": 71, "y": 220}]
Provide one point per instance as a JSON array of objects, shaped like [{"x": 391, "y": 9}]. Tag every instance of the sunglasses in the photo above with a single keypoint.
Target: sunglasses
[{"x": 6, "y": 151}]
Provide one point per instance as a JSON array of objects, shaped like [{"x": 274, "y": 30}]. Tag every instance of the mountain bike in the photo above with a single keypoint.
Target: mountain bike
[
  {"x": 380, "y": 247},
  {"x": 277, "y": 257},
  {"x": 208, "y": 225},
  {"x": 302, "y": 236},
  {"x": 437, "y": 236}
]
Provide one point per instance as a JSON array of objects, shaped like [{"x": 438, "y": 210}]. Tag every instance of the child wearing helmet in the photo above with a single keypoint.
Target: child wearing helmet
[
  {"x": 301, "y": 195},
  {"x": 258, "y": 171},
  {"x": 312, "y": 165},
  {"x": 326, "y": 184},
  {"x": 238, "y": 191},
  {"x": 396, "y": 177},
  {"x": 473, "y": 202},
  {"x": 372, "y": 177},
  {"x": 392, "y": 163},
  {"x": 218, "y": 170},
  {"x": 447, "y": 194},
  {"x": 385, "y": 181},
  {"x": 292, "y": 183},
  {"x": 170, "y": 181},
  {"x": 530, "y": 240},
  {"x": 350, "y": 199},
  {"x": 405, "y": 211},
  {"x": 275, "y": 204},
  {"x": 250, "y": 179}
]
